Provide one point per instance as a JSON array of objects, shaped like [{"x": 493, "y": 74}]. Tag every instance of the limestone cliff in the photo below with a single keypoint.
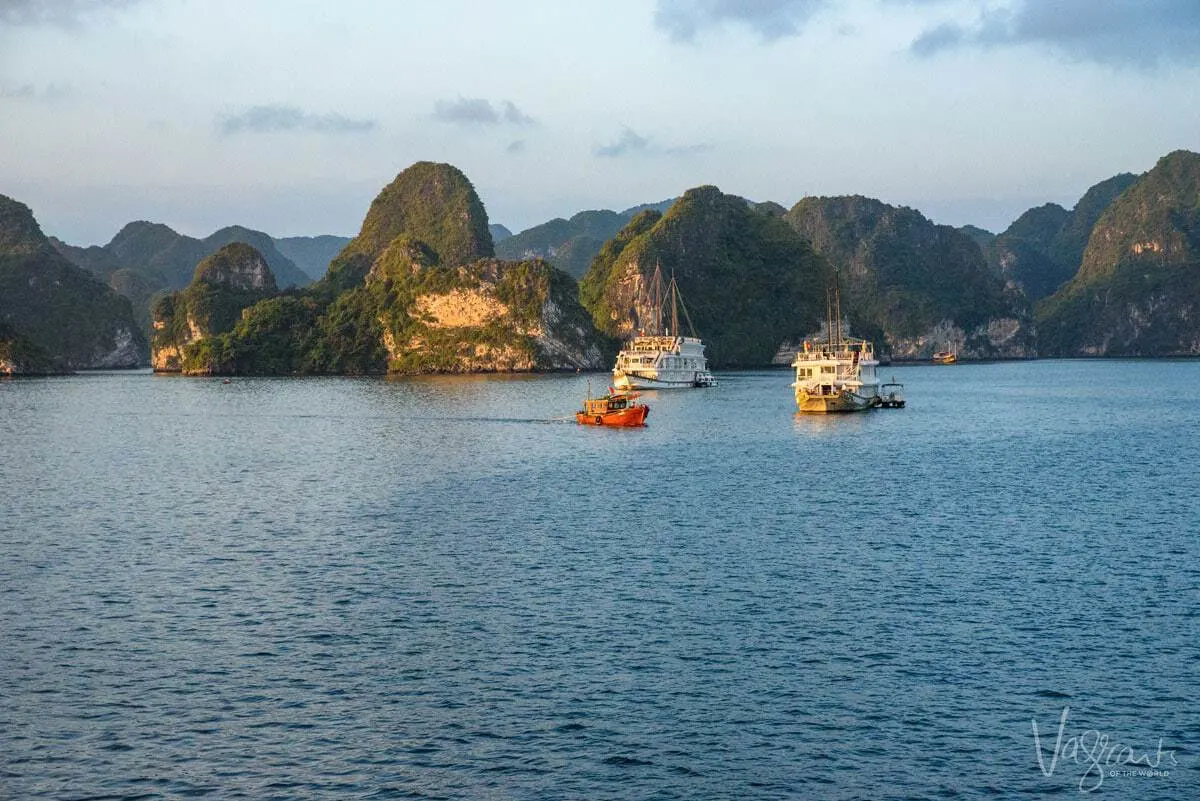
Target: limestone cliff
[
  {"x": 232, "y": 279},
  {"x": 489, "y": 316},
  {"x": 416, "y": 291},
  {"x": 749, "y": 281},
  {"x": 912, "y": 286},
  {"x": 19, "y": 356},
  {"x": 430, "y": 203},
  {"x": 1137, "y": 292}
]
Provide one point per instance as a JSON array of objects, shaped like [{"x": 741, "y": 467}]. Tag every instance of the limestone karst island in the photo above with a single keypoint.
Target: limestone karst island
[{"x": 429, "y": 286}]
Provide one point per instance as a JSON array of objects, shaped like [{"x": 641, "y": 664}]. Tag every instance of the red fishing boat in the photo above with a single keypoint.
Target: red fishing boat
[{"x": 614, "y": 409}]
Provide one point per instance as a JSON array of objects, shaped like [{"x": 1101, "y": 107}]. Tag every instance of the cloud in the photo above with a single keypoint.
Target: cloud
[
  {"x": 515, "y": 116},
  {"x": 1119, "y": 33},
  {"x": 682, "y": 20},
  {"x": 31, "y": 92},
  {"x": 517, "y": 146},
  {"x": 63, "y": 13},
  {"x": 631, "y": 143},
  {"x": 276, "y": 119},
  {"x": 473, "y": 112}
]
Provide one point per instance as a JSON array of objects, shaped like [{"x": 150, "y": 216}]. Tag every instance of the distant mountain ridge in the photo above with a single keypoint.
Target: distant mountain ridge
[
  {"x": 1043, "y": 248},
  {"x": 1115, "y": 275},
  {"x": 144, "y": 259},
  {"x": 312, "y": 254},
  {"x": 571, "y": 244}
]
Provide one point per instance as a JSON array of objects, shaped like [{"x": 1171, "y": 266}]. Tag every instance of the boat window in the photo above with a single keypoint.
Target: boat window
[{"x": 827, "y": 368}]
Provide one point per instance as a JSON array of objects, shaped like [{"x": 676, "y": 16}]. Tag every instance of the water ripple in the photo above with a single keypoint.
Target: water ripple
[{"x": 418, "y": 589}]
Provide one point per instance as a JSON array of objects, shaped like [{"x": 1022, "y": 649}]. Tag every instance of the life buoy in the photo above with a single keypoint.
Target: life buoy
[{"x": 599, "y": 420}]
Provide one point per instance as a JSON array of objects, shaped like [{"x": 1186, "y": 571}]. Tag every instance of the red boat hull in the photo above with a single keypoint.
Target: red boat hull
[{"x": 629, "y": 417}]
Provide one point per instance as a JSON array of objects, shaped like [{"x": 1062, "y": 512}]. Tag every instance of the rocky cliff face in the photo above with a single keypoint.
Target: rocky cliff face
[
  {"x": 912, "y": 286},
  {"x": 443, "y": 304},
  {"x": 64, "y": 313},
  {"x": 1137, "y": 292},
  {"x": 237, "y": 267},
  {"x": 749, "y": 282},
  {"x": 223, "y": 285},
  {"x": 489, "y": 316},
  {"x": 416, "y": 291}
]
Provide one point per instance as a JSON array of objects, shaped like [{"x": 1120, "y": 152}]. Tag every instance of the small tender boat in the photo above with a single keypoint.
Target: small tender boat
[
  {"x": 891, "y": 395},
  {"x": 614, "y": 409}
]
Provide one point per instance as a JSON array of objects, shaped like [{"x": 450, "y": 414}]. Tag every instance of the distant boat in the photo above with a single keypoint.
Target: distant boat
[
  {"x": 662, "y": 359},
  {"x": 619, "y": 409},
  {"x": 946, "y": 356},
  {"x": 838, "y": 375}
]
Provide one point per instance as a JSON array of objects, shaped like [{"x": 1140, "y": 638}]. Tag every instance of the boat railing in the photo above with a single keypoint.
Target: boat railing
[
  {"x": 652, "y": 344},
  {"x": 846, "y": 349}
]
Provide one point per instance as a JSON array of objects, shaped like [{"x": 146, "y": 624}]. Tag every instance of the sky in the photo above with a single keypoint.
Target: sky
[{"x": 289, "y": 116}]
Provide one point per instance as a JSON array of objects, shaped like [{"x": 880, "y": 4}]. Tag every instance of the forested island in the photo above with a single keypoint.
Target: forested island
[{"x": 430, "y": 285}]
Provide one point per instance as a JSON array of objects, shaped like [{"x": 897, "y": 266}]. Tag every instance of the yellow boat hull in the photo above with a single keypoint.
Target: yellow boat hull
[{"x": 809, "y": 403}]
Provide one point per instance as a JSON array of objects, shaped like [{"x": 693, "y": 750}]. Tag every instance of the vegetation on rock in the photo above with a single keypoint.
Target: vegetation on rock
[
  {"x": 57, "y": 314},
  {"x": 751, "y": 284},
  {"x": 186, "y": 322},
  {"x": 1137, "y": 291},
  {"x": 1043, "y": 247},
  {"x": 416, "y": 291},
  {"x": 20, "y": 356},
  {"x": 432, "y": 203},
  {"x": 909, "y": 284}
]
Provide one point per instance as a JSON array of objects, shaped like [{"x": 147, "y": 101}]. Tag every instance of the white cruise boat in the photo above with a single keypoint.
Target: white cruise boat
[
  {"x": 660, "y": 358},
  {"x": 838, "y": 375}
]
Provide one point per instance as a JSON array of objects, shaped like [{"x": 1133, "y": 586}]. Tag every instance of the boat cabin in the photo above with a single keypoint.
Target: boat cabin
[{"x": 608, "y": 403}]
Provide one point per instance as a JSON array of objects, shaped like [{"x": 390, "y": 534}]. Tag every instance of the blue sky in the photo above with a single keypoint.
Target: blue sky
[{"x": 290, "y": 115}]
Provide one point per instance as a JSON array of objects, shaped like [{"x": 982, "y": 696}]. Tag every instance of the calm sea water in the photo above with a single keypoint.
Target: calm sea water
[{"x": 444, "y": 588}]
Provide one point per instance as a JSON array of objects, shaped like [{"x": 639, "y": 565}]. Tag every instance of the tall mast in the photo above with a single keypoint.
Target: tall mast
[
  {"x": 674, "y": 304},
  {"x": 829, "y": 314},
  {"x": 837, "y": 300},
  {"x": 658, "y": 299}
]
